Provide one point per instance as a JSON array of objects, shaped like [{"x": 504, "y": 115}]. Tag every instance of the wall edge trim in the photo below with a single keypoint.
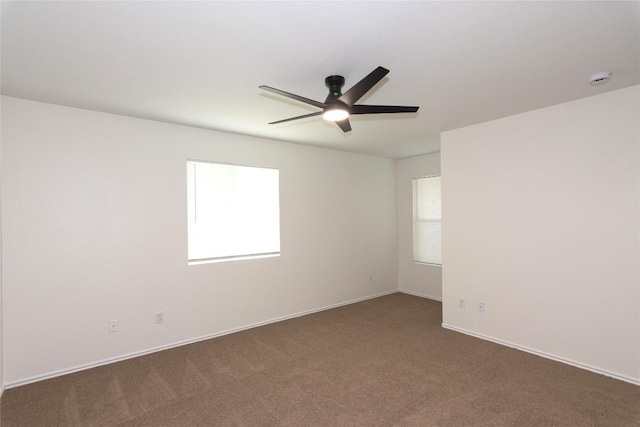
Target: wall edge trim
[
  {"x": 46, "y": 376},
  {"x": 621, "y": 377}
]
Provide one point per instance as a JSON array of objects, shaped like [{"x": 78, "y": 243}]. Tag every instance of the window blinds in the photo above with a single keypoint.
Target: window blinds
[{"x": 427, "y": 224}]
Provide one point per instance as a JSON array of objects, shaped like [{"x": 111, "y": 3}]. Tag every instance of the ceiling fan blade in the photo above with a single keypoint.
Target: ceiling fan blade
[
  {"x": 363, "y": 86},
  {"x": 381, "y": 109},
  {"x": 293, "y": 96},
  {"x": 344, "y": 125},
  {"x": 297, "y": 117}
]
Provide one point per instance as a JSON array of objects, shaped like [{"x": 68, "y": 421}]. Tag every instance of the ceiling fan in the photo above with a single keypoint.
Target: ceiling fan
[{"x": 338, "y": 106}]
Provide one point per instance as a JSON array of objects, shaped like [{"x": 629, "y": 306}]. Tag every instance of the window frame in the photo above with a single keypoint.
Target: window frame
[
  {"x": 193, "y": 211},
  {"x": 415, "y": 219}
]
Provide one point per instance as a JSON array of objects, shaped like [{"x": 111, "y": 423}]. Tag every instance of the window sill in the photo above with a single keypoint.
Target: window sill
[
  {"x": 428, "y": 264},
  {"x": 232, "y": 258}
]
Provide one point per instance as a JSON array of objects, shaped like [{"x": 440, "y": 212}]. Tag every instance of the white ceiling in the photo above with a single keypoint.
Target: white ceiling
[{"x": 200, "y": 63}]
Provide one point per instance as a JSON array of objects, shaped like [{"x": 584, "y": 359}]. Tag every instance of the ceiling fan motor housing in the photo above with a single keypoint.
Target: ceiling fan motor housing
[{"x": 334, "y": 83}]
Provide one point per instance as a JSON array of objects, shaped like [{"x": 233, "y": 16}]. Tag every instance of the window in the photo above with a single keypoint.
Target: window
[
  {"x": 234, "y": 212},
  {"x": 427, "y": 228}
]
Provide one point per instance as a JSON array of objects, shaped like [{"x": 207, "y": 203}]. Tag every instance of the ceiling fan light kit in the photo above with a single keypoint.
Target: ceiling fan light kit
[
  {"x": 338, "y": 106},
  {"x": 335, "y": 115}
]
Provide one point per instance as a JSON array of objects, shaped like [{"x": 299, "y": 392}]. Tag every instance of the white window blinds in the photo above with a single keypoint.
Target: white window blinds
[
  {"x": 427, "y": 228},
  {"x": 234, "y": 211}
]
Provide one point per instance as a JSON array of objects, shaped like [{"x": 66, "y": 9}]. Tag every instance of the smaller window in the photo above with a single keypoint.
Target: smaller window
[
  {"x": 427, "y": 223},
  {"x": 233, "y": 211}
]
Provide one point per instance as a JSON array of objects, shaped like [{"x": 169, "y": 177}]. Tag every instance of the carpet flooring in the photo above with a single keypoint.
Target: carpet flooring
[{"x": 381, "y": 362}]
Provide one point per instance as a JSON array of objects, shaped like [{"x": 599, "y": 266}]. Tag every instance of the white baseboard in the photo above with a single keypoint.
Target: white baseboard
[
  {"x": 1, "y": 390},
  {"x": 184, "y": 342},
  {"x": 625, "y": 378},
  {"x": 418, "y": 294}
]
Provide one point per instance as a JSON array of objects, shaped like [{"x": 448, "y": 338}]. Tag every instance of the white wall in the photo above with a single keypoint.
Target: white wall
[
  {"x": 95, "y": 229},
  {"x": 541, "y": 222},
  {"x": 416, "y": 279},
  {"x": 1, "y": 348}
]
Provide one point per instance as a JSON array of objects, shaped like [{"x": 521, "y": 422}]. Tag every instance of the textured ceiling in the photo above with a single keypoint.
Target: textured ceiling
[{"x": 200, "y": 63}]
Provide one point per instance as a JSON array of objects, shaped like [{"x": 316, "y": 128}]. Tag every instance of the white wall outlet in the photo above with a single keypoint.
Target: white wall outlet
[
  {"x": 461, "y": 303},
  {"x": 160, "y": 317},
  {"x": 480, "y": 307},
  {"x": 113, "y": 325}
]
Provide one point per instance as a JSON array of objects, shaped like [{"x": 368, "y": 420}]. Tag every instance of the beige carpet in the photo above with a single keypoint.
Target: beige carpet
[{"x": 382, "y": 362}]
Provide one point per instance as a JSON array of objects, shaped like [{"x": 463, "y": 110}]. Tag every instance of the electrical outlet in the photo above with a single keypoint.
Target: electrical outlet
[
  {"x": 481, "y": 307},
  {"x": 160, "y": 317},
  {"x": 461, "y": 303},
  {"x": 113, "y": 325}
]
